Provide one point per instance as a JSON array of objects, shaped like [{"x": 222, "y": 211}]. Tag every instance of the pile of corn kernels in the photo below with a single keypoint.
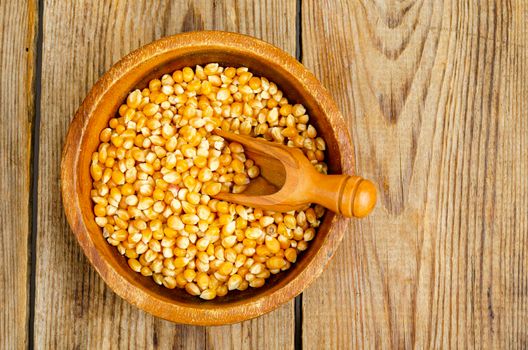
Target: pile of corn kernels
[{"x": 158, "y": 167}]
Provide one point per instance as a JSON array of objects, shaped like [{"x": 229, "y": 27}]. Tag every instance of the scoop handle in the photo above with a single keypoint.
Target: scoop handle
[{"x": 348, "y": 195}]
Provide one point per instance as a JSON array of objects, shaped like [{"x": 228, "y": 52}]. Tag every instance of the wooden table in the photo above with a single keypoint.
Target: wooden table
[{"x": 435, "y": 95}]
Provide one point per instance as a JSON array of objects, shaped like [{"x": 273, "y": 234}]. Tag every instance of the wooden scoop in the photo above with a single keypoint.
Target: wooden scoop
[{"x": 288, "y": 181}]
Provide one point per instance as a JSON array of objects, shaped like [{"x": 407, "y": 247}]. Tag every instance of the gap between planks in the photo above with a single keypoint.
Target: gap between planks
[
  {"x": 34, "y": 163},
  {"x": 298, "y": 299}
]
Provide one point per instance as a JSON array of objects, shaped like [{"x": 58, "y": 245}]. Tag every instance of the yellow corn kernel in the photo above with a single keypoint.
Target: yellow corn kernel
[
  {"x": 234, "y": 282},
  {"x": 302, "y": 245},
  {"x": 134, "y": 265},
  {"x": 202, "y": 280},
  {"x": 169, "y": 282},
  {"x": 187, "y": 74},
  {"x": 237, "y": 165},
  {"x": 180, "y": 262},
  {"x": 290, "y": 221},
  {"x": 211, "y": 188},
  {"x": 208, "y": 294},
  {"x": 205, "y": 175},
  {"x": 253, "y": 233},
  {"x": 192, "y": 289},
  {"x": 225, "y": 268},
  {"x": 203, "y": 244},
  {"x": 291, "y": 255},
  {"x": 272, "y": 244},
  {"x": 241, "y": 179},
  {"x": 190, "y": 219},
  {"x": 275, "y": 262},
  {"x": 257, "y": 283}
]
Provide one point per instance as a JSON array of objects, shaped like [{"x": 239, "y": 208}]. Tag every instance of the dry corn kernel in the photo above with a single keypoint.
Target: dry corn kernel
[
  {"x": 180, "y": 262},
  {"x": 285, "y": 110},
  {"x": 187, "y": 74},
  {"x": 192, "y": 289},
  {"x": 225, "y": 268},
  {"x": 253, "y": 233},
  {"x": 257, "y": 283},
  {"x": 275, "y": 262},
  {"x": 234, "y": 282},
  {"x": 254, "y": 83},
  {"x": 208, "y": 294},
  {"x": 244, "y": 78},
  {"x": 134, "y": 265},
  {"x": 212, "y": 188},
  {"x": 272, "y": 244},
  {"x": 158, "y": 166},
  {"x": 243, "y": 286},
  {"x": 202, "y": 280},
  {"x": 169, "y": 282},
  {"x": 205, "y": 175},
  {"x": 291, "y": 255}
]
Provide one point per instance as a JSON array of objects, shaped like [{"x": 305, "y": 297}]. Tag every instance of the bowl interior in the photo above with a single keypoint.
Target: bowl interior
[{"x": 137, "y": 76}]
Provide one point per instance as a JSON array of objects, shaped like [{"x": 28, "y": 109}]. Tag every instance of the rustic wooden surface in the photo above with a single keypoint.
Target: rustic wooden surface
[
  {"x": 73, "y": 299},
  {"x": 17, "y": 61},
  {"x": 435, "y": 97}
]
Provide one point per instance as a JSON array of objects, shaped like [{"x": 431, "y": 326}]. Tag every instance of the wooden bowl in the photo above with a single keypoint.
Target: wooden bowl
[{"x": 101, "y": 104}]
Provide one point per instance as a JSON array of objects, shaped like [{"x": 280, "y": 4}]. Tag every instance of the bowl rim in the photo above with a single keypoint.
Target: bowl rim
[{"x": 241, "y": 310}]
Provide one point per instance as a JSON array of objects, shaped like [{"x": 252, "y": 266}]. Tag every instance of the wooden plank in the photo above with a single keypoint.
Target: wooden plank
[
  {"x": 74, "y": 308},
  {"x": 82, "y": 39},
  {"x": 271, "y": 331},
  {"x": 273, "y": 21},
  {"x": 434, "y": 93},
  {"x": 18, "y": 23}
]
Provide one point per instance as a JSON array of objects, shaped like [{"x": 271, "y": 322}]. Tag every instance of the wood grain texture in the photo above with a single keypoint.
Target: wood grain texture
[
  {"x": 82, "y": 39},
  {"x": 274, "y": 330},
  {"x": 436, "y": 100},
  {"x": 271, "y": 331},
  {"x": 18, "y": 24}
]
